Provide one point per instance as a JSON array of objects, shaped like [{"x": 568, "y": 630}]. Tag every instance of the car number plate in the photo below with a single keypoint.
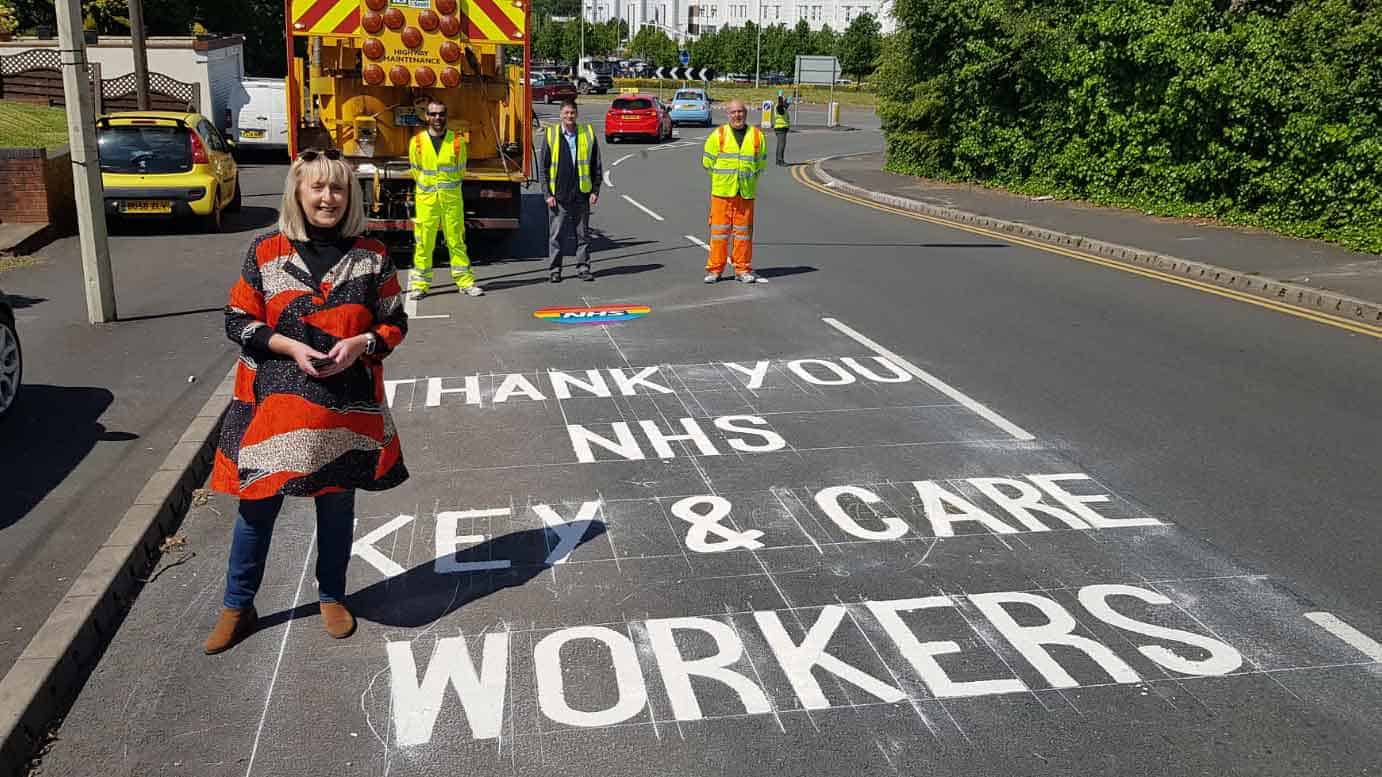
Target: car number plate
[
  {"x": 147, "y": 206},
  {"x": 630, "y": 116},
  {"x": 252, "y": 133}
]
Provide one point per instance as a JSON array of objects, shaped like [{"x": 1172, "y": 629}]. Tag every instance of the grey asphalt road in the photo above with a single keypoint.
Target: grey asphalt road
[{"x": 923, "y": 503}]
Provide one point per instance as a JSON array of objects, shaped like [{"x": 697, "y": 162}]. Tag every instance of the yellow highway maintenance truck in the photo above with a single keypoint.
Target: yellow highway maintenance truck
[{"x": 360, "y": 74}]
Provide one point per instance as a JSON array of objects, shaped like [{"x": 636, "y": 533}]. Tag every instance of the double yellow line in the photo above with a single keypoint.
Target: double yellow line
[{"x": 1319, "y": 317}]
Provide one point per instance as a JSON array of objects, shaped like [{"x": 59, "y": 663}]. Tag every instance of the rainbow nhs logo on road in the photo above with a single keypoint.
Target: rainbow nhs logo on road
[{"x": 602, "y": 314}]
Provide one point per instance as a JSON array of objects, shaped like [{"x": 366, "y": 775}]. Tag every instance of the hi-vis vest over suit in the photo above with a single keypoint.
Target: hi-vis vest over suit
[
  {"x": 734, "y": 172},
  {"x": 437, "y": 181}
]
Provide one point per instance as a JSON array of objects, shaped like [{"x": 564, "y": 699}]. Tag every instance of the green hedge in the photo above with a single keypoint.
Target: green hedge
[{"x": 1264, "y": 112}]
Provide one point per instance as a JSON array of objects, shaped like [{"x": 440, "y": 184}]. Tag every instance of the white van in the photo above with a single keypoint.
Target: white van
[{"x": 259, "y": 110}]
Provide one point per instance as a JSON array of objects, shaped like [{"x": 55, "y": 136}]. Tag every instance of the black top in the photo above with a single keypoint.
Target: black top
[
  {"x": 436, "y": 142},
  {"x": 322, "y": 250},
  {"x": 739, "y": 134}
]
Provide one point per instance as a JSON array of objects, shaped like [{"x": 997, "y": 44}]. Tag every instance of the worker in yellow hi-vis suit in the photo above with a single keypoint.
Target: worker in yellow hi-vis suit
[{"x": 437, "y": 158}]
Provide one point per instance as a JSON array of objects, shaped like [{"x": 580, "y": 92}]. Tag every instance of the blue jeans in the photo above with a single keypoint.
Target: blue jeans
[{"x": 249, "y": 546}]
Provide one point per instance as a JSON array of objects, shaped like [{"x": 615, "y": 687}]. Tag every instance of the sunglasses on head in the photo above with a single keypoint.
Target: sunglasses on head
[{"x": 311, "y": 154}]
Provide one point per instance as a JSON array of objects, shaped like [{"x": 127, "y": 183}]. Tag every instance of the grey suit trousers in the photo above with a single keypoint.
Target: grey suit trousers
[{"x": 577, "y": 215}]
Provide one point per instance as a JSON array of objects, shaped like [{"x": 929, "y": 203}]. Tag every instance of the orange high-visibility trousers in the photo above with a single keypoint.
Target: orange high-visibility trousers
[{"x": 730, "y": 218}]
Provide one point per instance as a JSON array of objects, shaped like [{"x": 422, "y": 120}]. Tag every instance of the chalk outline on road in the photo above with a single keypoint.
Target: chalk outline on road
[
  {"x": 1319, "y": 317},
  {"x": 977, "y": 407}
]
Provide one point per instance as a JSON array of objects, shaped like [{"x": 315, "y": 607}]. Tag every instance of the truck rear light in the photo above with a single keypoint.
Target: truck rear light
[
  {"x": 374, "y": 75},
  {"x": 425, "y": 76},
  {"x": 374, "y": 48},
  {"x": 450, "y": 52},
  {"x": 411, "y": 37},
  {"x": 198, "y": 150},
  {"x": 451, "y": 77},
  {"x": 428, "y": 20},
  {"x": 373, "y": 22},
  {"x": 445, "y": 7},
  {"x": 376, "y": 5},
  {"x": 393, "y": 19},
  {"x": 496, "y": 194},
  {"x": 399, "y": 75},
  {"x": 450, "y": 26}
]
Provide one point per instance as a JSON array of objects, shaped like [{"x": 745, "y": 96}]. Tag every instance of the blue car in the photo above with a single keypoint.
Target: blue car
[{"x": 691, "y": 106}]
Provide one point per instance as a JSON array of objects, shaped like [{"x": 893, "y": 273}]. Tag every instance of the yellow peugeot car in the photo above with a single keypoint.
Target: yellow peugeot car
[{"x": 164, "y": 164}]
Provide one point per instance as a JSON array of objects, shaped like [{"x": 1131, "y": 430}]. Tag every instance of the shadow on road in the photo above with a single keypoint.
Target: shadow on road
[
  {"x": 782, "y": 272},
  {"x": 19, "y": 301},
  {"x": 421, "y": 596},
  {"x": 251, "y": 218},
  {"x": 50, "y": 431}
]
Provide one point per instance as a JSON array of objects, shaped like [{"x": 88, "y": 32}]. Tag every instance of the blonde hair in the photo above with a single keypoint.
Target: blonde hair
[{"x": 292, "y": 222}]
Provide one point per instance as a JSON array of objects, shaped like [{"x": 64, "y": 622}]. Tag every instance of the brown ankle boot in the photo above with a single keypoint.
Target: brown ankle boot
[
  {"x": 337, "y": 619},
  {"x": 233, "y": 626}
]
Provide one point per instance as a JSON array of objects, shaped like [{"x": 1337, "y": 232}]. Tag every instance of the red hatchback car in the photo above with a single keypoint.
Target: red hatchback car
[
  {"x": 637, "y": 114},
  {"x": 550, "y": 89}
]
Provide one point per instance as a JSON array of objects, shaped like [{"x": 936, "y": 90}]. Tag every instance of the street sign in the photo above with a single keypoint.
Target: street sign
[
  {"x": 685, "y": 73},
  {"x": 685, "y": 57},
  {"x": 817, "y": 70}
]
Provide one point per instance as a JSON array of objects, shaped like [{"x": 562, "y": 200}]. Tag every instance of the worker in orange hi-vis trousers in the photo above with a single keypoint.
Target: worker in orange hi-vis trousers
[{"x": 735, "y": 155}]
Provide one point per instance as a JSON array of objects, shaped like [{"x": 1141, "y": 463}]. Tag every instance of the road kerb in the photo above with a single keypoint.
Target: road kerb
[
  {"x": 65, "y": 648},
  {"x": 1329, "y": 302}
]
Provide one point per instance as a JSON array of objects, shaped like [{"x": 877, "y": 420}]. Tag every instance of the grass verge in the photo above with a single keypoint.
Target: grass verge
[{"x": 23, "y": 125}]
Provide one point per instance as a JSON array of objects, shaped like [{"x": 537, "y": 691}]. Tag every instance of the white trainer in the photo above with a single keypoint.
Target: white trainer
[
  {"x": 473, "y": 291},
  {"x": 711, "y": 277},
  {"x": 746, "y": 277}
]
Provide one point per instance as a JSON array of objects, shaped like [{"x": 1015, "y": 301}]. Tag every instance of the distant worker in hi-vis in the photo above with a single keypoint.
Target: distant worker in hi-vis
[
  {"x": 437, "y": 159},
  {"x": 782, "y": 124},
  {"x": 735, "y": 155}
]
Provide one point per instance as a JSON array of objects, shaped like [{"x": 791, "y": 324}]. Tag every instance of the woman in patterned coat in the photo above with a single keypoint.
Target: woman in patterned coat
[{"x": 316, "y": 309}]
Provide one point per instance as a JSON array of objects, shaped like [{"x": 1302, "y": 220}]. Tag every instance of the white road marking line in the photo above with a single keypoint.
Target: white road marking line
[
  {"x": 1355, "y": 638},
  {"x": 608, "y": 181},
  {"x": 437, "y": 315},
  {"x": 620, "y": 160},
  {"x": 409, "y": 301},
  {"x": 697, "y": 241},
  {"x": 936, "y": 383},
  {"x": 641, "y": 207},
  {"x": 282, "y": 646}
]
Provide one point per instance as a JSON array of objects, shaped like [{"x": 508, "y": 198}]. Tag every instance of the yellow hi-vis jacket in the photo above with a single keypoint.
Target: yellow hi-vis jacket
[
  {"x": 585, "y": 138},
  {"x": 781, "y": 120},
  {"x": 437, "y": 175},
  {"x": 733, "y": 170}
]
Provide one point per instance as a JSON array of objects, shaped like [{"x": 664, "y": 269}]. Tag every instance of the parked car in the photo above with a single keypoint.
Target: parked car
[
  {"x": 637, "y": 114},
  {"x": 550, "y": 89},
  {"x": 164, "y": 164},
  {"x": 259, "y": 115},
  {"x": 691, "y": 106},
  {"x": 11, "y": 358}
]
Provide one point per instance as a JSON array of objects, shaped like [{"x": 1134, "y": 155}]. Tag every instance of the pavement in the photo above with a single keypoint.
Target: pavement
[
  {"x": 1247, "y": 251},
  {"x": 18, "y": 238},
  {"x": 922, "y": 502}
]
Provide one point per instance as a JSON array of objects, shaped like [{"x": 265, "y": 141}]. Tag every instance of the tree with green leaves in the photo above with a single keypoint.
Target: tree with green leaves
[
  {"x": 654, "y": 46},
  {"x": 859, "y": 46}
]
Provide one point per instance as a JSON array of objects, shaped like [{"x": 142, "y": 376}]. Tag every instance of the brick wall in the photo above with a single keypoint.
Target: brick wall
[{"x": 38, "y": 185}]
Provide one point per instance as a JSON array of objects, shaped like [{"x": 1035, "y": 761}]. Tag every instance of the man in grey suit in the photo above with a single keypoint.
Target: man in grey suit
[{"x": 569, "y": 174}]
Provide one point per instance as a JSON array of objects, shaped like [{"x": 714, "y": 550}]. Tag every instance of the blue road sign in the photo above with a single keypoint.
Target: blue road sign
[{"x": 685, "y": 57}]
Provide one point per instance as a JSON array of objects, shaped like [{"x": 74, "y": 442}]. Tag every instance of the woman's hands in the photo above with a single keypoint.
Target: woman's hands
[{"x": 343, "y": 354}]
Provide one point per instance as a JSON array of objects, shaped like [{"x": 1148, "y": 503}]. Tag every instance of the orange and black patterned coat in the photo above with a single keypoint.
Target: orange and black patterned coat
[{"x": 286, "y": 432}]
